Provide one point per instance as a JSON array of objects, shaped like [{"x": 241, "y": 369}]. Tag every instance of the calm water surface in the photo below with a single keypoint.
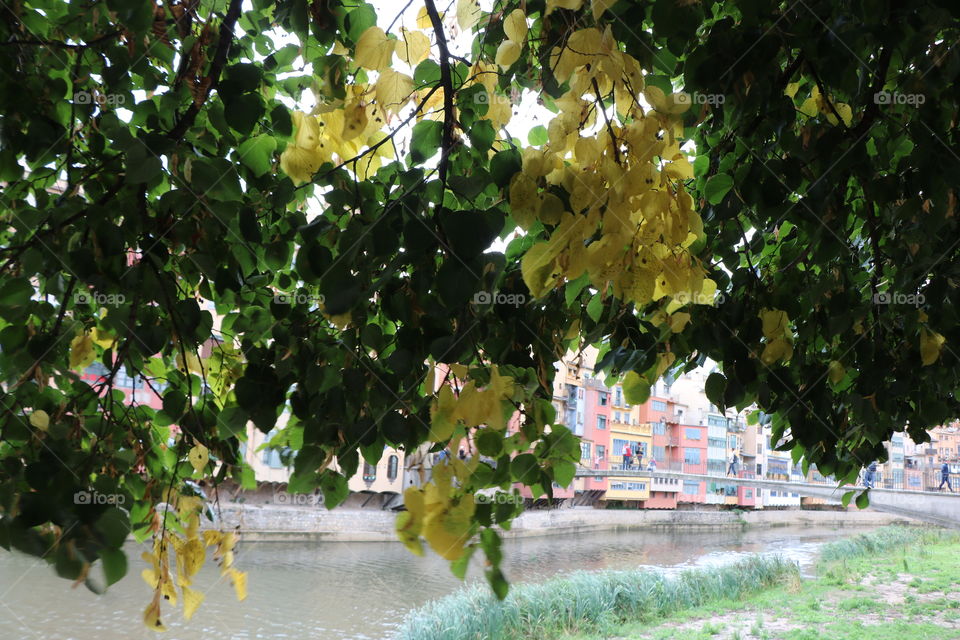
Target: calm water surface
[{"x": 355, "y": 590}]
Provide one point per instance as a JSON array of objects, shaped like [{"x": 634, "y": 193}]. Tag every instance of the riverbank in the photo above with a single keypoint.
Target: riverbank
[
  {"x": 891, "y": 584},
  {"x": 270, "y": 523},
  {"x": 905, "y": 592}
]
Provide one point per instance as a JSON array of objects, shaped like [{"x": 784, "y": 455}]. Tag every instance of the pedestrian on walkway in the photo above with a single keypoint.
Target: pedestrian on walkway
[
  {"x": 945, "y": 477},
  {"x": 870, "y": 477},
  {"x": 639, "y": 457},
  {"x": 627, "y": 456},
  {"x": 732, "y": 470}
]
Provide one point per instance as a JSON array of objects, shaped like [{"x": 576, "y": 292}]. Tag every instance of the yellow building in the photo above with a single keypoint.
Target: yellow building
[{"x": 626, "y": 429}]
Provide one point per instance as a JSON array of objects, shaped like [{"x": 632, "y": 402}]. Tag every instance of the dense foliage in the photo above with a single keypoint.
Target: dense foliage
[{"x": 174, "y": 209}]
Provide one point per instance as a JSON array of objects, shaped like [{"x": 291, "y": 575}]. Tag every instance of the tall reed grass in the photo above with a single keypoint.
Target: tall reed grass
[
  {"x": 587, "y": 601},
  {"x": 878, "y": 541}
]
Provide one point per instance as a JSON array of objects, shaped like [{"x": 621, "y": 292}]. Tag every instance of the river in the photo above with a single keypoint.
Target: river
[{"x": 349, "y": 590}]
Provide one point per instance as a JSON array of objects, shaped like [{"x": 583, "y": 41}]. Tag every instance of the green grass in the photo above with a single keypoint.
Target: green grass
[
  {"x": 595, "y": 602},
  {"x": 757, "y": 599}
]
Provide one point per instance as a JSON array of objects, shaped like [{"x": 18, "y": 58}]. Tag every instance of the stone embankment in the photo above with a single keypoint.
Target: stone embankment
[{"x": 293, "y": 523}]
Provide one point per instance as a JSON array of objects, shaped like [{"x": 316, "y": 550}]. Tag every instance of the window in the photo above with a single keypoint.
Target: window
[
  {"x": 659, "y": 453},
  {"x": 585, "y": 450},
  {"x": 392, "y": 464},
  {"x": 718, "y": 443},
  {"x": 732, "y": 442},
  {"x": 759, "y": 448},
  {"x": 691, "y": 455},
  {"x": 618, "y": 446},
  {"x": 691, "y": 488},
  {"x": 692, "y": 434},
  {"x": 659, "y": 405},
  {"x": 749, "y": 493},
  {"x": 601, "y": 422},
  {"x": 369, "y": 472},
  {"x": 616, "y": 416},
  {"x": 604, "y": 398},
  {"x": 271, "y": 457},
  {"x": 618, "y": 397},
  {"x": 628, "y": 486},
  {"x": 759, "y": 469},
  {"x": 660, "y": 428},
  {"x": 716, "y": 421},
  {"x": 127, "y": 382},
  {"x": 580, "y": 393},
  {"x": 601, "y": 452}
]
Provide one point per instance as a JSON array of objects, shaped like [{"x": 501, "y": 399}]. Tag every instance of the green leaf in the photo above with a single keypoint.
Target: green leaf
[
  {"x": 525, "y": 468},
  {"x": 481, "y": 135},
  {"x": 715, "y": 387},
  {"x": 595, "y": 307},
  {"x": 717, "y": 187},
  {"x": 425, "y": 140},
  {"x": 636, "y": 388},
  {"x": 257, "y": 153},
  {"x": 863, "y": 500},
  {"x": 114, "y": 563},
  {"x": 538, "y": 136}
]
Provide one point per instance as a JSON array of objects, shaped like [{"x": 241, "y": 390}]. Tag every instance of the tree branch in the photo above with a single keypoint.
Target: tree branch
[
  {"x": 216, "y": 66},
  {"x": 603, "y": 110},
  {"x": 446, "y": 82}
]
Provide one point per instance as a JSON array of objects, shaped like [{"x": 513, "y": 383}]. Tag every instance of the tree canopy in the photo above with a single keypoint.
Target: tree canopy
[{"x": 304, "y": 206}]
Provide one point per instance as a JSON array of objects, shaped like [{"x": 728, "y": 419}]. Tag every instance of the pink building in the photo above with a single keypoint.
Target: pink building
[{"x": 693, "y": 446}]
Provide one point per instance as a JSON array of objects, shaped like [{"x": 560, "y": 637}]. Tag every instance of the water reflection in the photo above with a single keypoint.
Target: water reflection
[{"x": 355, "y": 591}]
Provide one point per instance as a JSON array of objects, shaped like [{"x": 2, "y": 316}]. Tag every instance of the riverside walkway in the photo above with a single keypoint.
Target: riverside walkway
[{"x": 941, "y": 508}]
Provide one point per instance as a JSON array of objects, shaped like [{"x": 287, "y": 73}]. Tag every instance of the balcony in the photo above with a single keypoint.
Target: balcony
[{"x": 636, "y": 429}]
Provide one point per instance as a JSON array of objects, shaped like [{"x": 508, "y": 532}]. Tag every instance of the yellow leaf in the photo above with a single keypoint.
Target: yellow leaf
[
  {"x": 599, "y": 6},
  {"x": 836, "y": 372},
  {"x": 40, "y": 420},
  {"x": 443, "y": 415},
  {"x": 190, "y": 558},
  {"x": 678, "y": 321},
  {"x": 778, "y": 349},
  {"x": 423, "y": 19},
  {"x": 537, "y": 268},
  {"x": 507, "y": 53},
  {"x": 515, "y": 26},
  {"x": 414, "y": 47},
  {"x": 239, "y": 580},
  {"x": 191, "y": 601},
  {"x": 151, "y": 616},
  {"x": 573, "y": 5},
  {"x": 791, "y": 89},
  {"x": 775, "y": 323},
  {"x": 102, "y": 338},
  {"x": 448, "y": 529},
  {"x": 354, "y": 121},
  {"x": 199, "y": 456},
  {"x": 846, "y": 113},
  {"x": 809, "y": 107},
  {"x": 931, "y": 343},
  {"x": 299, "y": 163},
  {"x": 81, "y": 352},
  {"x": 374, "y": 49},
  {"x": 393, "y": 90},
  {"x": 308, "y": 130},
  {"x": 468, "y": 14}
]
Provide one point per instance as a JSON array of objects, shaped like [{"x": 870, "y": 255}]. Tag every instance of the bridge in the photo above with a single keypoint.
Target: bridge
[{"x": 936, "y": 508}]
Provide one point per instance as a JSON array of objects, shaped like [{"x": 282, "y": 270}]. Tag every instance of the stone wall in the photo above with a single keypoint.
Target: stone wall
[{"x": 283, "y": 523}]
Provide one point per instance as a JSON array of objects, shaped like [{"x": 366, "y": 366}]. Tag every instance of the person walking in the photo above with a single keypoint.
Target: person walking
[
  {"x": 627, "y": 456},
  {"x": 732, "y": 470},
  {"x": 945, "y": 477},
  {"x": 870, "y": 477},
  {"x": 639, "y": 457}
]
